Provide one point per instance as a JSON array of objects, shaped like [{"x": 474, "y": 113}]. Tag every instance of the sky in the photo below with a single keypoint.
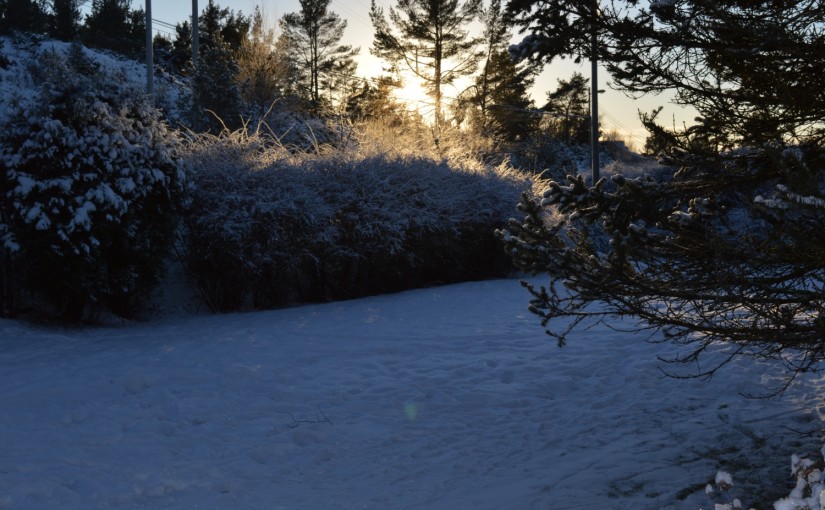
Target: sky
[{"x": 617, "y": 110}]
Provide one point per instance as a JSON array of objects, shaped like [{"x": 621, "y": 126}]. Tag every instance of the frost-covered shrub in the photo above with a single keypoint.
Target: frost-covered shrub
[
  {"x": 809, "y": 492},
  {"x": 90, "y": 179},
  {"x": 549, "y": 156},
  {"x": 268, "y": 226}
]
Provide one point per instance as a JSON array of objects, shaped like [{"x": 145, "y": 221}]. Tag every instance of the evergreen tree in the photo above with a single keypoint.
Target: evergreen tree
[
  {"x": 163, "y": 47},
  {"x": 112, "y": 25},
  {"x": 729, "y": 248},
  {"x": 65, "y": 19},
  {"x": 210, "y": 23},
  {"x": 313, "y": 37},
  {"x": 569, "y": 106},
  {"x": 509, "y": 105},
  {"x": 216, "y": 94},
  {"x": 376, "y": 101},
  {"x": 137, "y": 33},
  {"x": 341, "y": 83},
  {"x": 499, "y": 98},
  {"x": 494, "y": 37},
  {"x": 182, "y": 48},
  {"x": 23, "y": 15},
  {"x": 221, "y": 26},
  {"x": 430, "y": 39}
]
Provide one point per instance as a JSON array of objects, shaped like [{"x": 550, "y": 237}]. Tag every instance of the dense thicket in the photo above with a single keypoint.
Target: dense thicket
[
  {"x": 90, "y": 182},
  {"x": 268, "y": 227},
  {"x": 729, "y": 247}
]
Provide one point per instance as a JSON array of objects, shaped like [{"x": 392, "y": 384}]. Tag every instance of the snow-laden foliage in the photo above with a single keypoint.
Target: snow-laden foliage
[
  {"x": 808, "y": 492},
  {"x": 729, "y": 248},
  {"x": 90, "y": 179},
  {"x": 269, "y": 226},
  {"x": 547, "y": 155}
]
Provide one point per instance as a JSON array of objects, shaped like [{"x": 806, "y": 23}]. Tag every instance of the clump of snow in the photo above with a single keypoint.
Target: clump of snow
[{"x": 724, "y": 480}]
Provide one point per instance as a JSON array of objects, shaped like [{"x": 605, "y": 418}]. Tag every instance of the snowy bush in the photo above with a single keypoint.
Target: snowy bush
[
  {"x": 90, "y": 179},
  {"x": 549, "y": 156},
  {"x": 807, "y": 494},
  {"x": 269, "y": 226}
]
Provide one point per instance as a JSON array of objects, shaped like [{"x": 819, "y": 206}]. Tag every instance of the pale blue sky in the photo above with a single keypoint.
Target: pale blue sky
[{"x": 618, "y": 111}]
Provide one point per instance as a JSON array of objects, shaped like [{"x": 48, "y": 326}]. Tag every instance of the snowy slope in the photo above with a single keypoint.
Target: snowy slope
[
  {"x": 442, "y": 398},
  {"x": 20, "y": 51}
]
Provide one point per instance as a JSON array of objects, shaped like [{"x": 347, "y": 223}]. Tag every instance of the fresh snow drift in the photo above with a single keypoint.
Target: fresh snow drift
[{"x": 441, "y": 398}]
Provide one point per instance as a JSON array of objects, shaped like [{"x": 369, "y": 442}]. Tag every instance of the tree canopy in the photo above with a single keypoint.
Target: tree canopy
[
  {"x": 729, "y": 247},
  {"x": 313, "y": 39},
  {"x": 430, "y": 39}
]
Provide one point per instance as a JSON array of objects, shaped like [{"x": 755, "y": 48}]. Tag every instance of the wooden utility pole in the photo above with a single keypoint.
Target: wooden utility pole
[
  {"x": 594, "y": 95},
  {"x": 195, "y": 34},
  {"x": 150, "y": 54}
]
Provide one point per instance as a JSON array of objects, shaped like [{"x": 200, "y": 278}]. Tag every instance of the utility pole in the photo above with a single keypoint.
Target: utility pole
[
  {"x": 594, "y": 95},
  {"x": 195, "y": 35},
  {"x": 150, "y": 54}
]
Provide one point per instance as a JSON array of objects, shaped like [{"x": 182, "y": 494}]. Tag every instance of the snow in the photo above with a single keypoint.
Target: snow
[
  {"x": 724, "y": 478},
  {"x": 448, "y": 397}
]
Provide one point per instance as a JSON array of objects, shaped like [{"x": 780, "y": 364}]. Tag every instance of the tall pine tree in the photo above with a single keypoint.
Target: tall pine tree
[
  {"x": 569, "y": 108},
  {"x": 499, "y": 96},
  {"x": 430, "y": 39},
  {"x": 216, "y": 94},
  {"x": 313, "y": 38},
  {"x": 65, "y": 19}
]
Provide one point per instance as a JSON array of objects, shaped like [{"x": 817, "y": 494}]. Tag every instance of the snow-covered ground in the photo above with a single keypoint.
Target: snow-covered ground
[{"x": 442, "y": 398}]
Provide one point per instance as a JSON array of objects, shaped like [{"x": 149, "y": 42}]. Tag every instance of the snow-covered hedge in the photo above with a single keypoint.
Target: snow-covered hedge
[
  {"x": 90, "y": 180},
  {"x": 268, "y": 226}
]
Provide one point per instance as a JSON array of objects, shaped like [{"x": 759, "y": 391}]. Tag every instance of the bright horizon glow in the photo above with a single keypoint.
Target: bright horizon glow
[
  {"x": 617, "y": 111},
  {"x": 414, "y": 96}
]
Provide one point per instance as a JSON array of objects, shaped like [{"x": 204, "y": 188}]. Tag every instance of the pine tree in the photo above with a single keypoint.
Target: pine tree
[
  {"x": 494, "y": 37},
  {"x": 112, "y": 25},
  {"x": 728, "y": 249},
  {"x": 182, "y": 48},
  {"x": 375, "y": 101},
  {"x": 499, "y": 100},
  {"x": 216, "y": 94},
  {"x": 222, "y": 27},
  {"x": 65, "y": 19},
  {"x": 430, "y": 39},
  {"x": 313, "y": 36},
  {"x": 23, "y": 15},
  {"x": 569, "y": 106}
]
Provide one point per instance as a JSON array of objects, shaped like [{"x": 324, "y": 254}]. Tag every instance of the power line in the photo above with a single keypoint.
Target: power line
[{"x": 164, "y": 23}]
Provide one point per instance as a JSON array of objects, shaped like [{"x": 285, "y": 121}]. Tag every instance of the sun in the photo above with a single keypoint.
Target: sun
[{"x": 413, "y": 95}]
